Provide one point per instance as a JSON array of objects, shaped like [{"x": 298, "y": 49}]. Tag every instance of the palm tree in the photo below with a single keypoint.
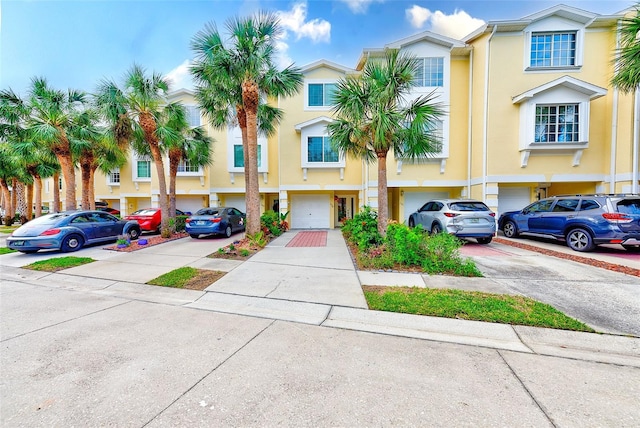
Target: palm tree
[
  {"x": 627, "y": 62},
  {"x": 243, "y": 73},
  {"x": 140, "y": 99},
  {"x": 375, "y": 115},
  {"x": 9, "y": 171},
  {"x": 182, "y": 143},
  {"x": 52, "y": 117}
]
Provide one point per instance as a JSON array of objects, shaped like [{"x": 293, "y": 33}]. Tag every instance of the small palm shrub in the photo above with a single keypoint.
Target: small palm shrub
[
  {"x": 270, "y": 222},
  {"x": 362, "y": 229}
]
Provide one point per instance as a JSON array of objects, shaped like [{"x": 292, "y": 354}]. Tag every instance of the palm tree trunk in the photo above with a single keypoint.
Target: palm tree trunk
[
  {"x": 250, "y": 102},
  {"x": 383, "y": 199},
  {"x": 85, "y": 169},
  {"x": 174, "y": 159},
  {"x": 69, "y": 177},
  {"x": 92, "y": 185},
  {"x": 14, "y": 197},
  {"x": 21, "y": 201},
  {"x": 6, "y": 201},
  {"x": 56, "y": 193},
  {"x": 241, "y": 114},
  {"x": 37, "y": 189},
  {"x": 29, "y": 196}
]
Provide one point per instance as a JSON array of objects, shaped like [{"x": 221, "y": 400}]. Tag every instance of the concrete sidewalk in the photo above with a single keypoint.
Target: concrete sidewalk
[{"x": 285, "y": 339}]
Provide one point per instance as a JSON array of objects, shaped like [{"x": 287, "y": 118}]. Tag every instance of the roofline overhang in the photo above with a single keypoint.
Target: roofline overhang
[{"x": 593, "y": 91}]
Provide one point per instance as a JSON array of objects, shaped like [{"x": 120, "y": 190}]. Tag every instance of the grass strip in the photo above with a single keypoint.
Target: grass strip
[
  {"x": 5, "y": 250},
  {"x": 176, "y": 278},
  {"x": 59, "y": 263},
  {"x": 470, "y": 305}
]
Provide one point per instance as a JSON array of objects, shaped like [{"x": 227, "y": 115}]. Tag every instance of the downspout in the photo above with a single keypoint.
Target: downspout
[
  {"x": 470, "y": 124},
  {"x": 636, "y": 129},
  {"x": 614, "y": 122},
  {"x": 485, "y": 137}
]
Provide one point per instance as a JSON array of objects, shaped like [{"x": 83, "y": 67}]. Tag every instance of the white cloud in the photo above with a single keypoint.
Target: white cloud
[
  {"x": 360, "y": 6},
  {"x": 180, "y": 77},
  {"x": 456, "y": 25},
  {"x": 295, "y": 21}
]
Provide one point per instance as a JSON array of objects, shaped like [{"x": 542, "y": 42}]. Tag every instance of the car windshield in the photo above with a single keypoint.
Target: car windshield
[
  {"x": 468, "y": 206},
  {"x": 144, "y": 212},
  {"x": 629, "y": 206},
  {"x": 207, "y": 211},
  {"x": 48, "y": 219}
]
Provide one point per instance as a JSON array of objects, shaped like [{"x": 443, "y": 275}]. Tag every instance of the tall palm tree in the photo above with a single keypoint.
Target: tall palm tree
[
  {"x": 9, "y": 171},
  {"x": 140, "y": 99},
  {"x": 627, "y": 62},
  {"x": 53, "y": 115},
  {"x": 182, "y": 143},
  {"x": 244, "y": 72},
  {"x": 375, "y": 115}
]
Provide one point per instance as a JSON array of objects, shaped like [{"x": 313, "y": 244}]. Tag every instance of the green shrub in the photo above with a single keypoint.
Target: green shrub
[
  {"x": 180, "y": 223},
  {"x": 443, "y": 256},
  {"x": 362, "y": 229},
  {"x": 270, "y": 222},
  {"x": 408, "y": 246}
]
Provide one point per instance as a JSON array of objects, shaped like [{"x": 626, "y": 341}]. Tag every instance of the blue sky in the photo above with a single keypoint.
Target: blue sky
[{"x": 75, "y": 44}]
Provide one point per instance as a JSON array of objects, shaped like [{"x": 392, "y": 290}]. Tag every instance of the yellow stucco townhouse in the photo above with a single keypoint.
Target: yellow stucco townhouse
[{"x": 529, "y": 109}]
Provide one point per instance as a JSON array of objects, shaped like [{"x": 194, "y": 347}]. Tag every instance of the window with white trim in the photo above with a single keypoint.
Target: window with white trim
[
  {"x": 557, "y": 123},
  {"x": 430, "y": 72},
  {"x": 186, "y": 168},
  {"x": 113, "y": 177},
  {"x": 318, "y": 94},
  {"x": 193, "y": 115},
  {"x": 238, "y": 156},
  {"x": 553, "y": 49},
  {"x": 436, "y": 129},
  {"x": 142, "y": 168},
  {"x": 319, "y": 150}
]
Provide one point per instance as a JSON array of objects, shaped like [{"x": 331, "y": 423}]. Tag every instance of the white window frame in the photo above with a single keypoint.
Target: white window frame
[
  {"x": 554, "y": 25},
  {"x": 193, "y": 111},
  {"x": 308, "y": 82},
  {"x": 111, "y": 175},
  {"x": 139, "y": 158},
  {"x": 442, "y": 71},
  {"x": 528, "y": 118},
  {"x": 234, "y": 138},
  {"x": 444, "y": 151},
  {"x": 184, "y": 164},
  {"x": 316, "y": 130}
]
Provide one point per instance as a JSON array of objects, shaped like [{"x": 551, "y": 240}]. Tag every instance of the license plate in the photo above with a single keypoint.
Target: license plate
[
  {"x": 199, "y": 222},
  {"x": 474, "y": 220},
  {"x": 18, "y": 243}
]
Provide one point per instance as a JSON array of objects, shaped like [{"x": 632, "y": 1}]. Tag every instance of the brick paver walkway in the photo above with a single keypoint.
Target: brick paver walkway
[{"x": 309, "y": 239}]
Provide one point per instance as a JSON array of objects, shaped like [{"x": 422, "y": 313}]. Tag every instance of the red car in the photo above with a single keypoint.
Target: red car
[
  {"x": 109, "y": 210},
  {"x": 149, "y": 218}
]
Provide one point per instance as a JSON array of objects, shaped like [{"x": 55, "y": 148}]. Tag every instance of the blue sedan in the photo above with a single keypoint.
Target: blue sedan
[
  {"x": 217, "y": 221},
  {"x": 69, "y": 231}
]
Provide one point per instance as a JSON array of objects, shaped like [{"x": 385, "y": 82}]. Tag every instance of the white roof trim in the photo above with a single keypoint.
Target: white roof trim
[
  {"x": 569, "y": 82},
  {"x": 321, "y": 119},
  {"x": 428, "y": 36},
  {"x": 323, "y": 63}
]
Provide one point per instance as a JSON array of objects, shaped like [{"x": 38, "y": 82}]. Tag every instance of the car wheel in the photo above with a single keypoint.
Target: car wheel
[
  {"x": 134, "y": 233},
  {"x": 71, "y": 243},
  {"x": 510, "y": 229},
  {"x": 227, "y": 231},
  {"x": 412, "y": 222},
  {"x": 484, "y": 241},
  {"x": 580, "y": 240},
  {"x": 632, "y": 248},
  {"x": 194, "y": 235},
  {"x": 436, "y": 228}
]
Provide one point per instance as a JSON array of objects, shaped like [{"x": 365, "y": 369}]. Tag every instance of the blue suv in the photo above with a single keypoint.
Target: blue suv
[{"x": 582, "y": 221}]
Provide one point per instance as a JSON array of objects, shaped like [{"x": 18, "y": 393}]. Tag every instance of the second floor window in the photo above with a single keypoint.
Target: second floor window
[
  {"x": 143, "y": 168},
  {"x": 114, "y": 176},
  {"x": 238, "y": 156},
  {"x": 321, "y": 94},
  {"x": 557, "y": 123},
  {"x": 319, "y": 150},
  {"x": 185, "y": 166},
  {"x": 553, "y": 49},
  {"x": 193, "y": 115},
  {"x": 430, "y": 72}
]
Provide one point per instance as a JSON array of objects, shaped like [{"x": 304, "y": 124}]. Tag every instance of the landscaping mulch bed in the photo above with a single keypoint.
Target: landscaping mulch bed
[
  {"x": 151, "y": 241},
  {"x": 204, "y": 279},
  {"x": 580, "y": 259},
  {"x": 239, "y": 250}
]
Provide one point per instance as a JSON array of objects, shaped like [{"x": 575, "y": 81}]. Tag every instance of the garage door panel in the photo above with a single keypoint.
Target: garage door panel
[
  {"x": 310, "y": 211},
  {"x": 512, "y": 198},
  {"x": 238, "y": 202}
]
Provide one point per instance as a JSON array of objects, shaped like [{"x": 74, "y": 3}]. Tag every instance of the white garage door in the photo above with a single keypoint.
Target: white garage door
[
  {"x": 188, "y": 203},
  {"x": 238, "y": 202},
  {"x": 414, "y": 200},
  {"x": 310, "y": 211},
  {"x": 512, "y": 198}
]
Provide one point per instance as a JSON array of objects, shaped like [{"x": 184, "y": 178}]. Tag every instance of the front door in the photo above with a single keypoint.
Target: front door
[{"x": 345, "y": 206}]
